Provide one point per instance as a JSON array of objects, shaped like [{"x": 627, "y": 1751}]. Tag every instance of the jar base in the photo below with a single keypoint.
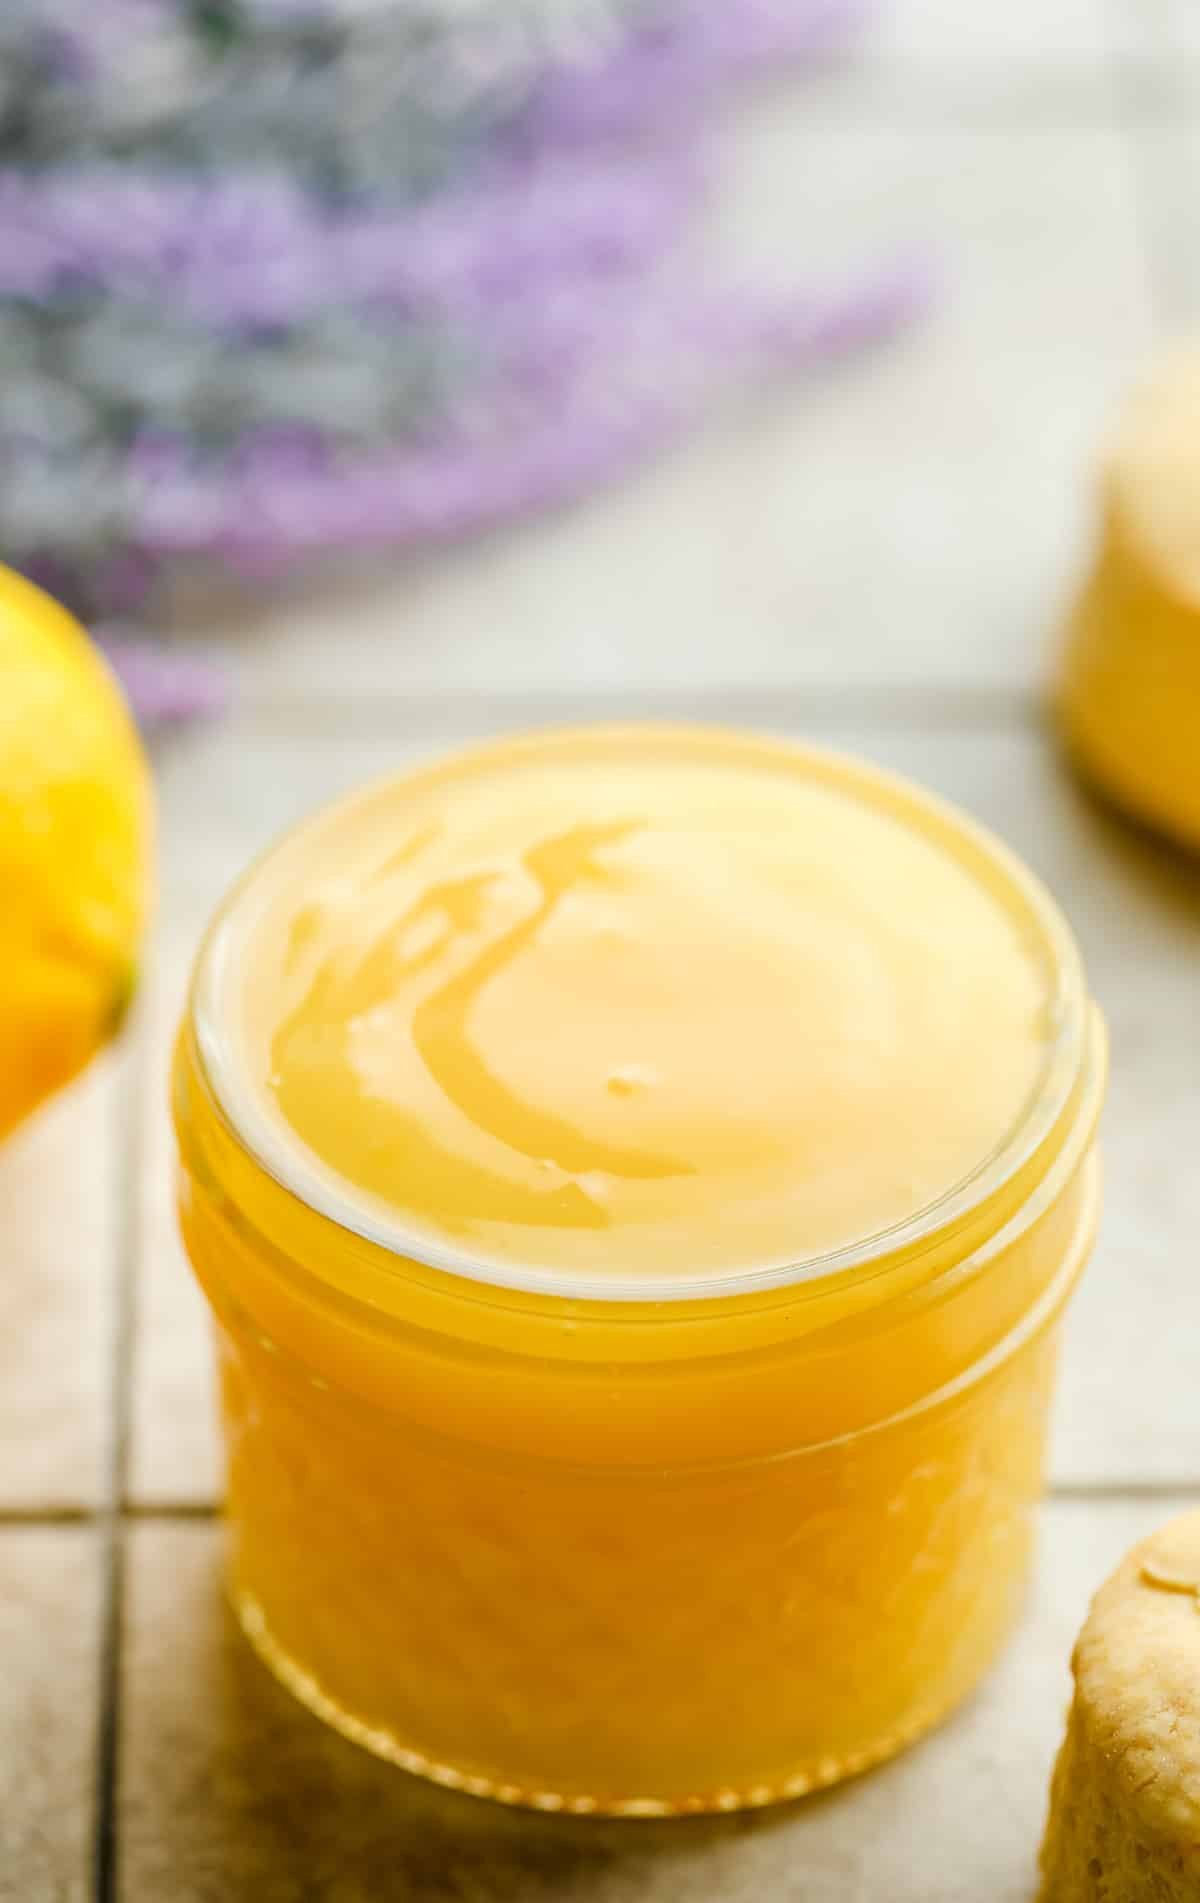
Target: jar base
[{"x": 819, "y": 1775}]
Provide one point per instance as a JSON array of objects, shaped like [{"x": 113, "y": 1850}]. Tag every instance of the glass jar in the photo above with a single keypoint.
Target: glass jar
[{"x": 604, "y": 1547}]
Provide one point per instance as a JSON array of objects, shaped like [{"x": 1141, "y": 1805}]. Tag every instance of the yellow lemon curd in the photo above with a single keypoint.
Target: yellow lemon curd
[
  {"x": 1130, "y": 693},
  {"x": 636, "y": 1174}
]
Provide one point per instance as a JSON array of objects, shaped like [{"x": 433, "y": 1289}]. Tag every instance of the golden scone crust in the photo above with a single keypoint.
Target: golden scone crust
[
  {"x": 1129, "y": 696},
  {"x": 1124, "y": 1821}
]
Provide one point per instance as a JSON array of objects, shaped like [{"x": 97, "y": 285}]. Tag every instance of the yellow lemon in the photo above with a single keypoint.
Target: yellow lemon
[{"x": 75, "y": 824}]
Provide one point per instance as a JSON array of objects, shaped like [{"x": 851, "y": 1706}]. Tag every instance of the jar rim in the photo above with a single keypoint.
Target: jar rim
[{"x": 1032, "y": 1130}]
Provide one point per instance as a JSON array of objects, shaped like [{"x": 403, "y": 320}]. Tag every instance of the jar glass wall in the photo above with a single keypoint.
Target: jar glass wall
[{"x": 638, "y": 1548}]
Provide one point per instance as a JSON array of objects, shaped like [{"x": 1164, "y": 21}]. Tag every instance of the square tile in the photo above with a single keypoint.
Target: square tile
[
  {"x": 1153, "y": 29},
  {"x": 230, "y": 1791},
  {"x": 1135, "y": 907},
  {"x": 173, "y": 1455},
  {"x": 1165, "y": 150},
  {"x": 58, "y": 1191},
  {"x": 911, "y": 515},
  {"x": 49, "y": 1627},
  {"x": 225, "y": 791},
  {"x": 1032, "y": 34}
]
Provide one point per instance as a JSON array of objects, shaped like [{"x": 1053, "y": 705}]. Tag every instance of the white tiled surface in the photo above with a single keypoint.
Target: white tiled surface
[
  {"x": 1134, "y": 906},
  {"x": 876, "y": 557},
  {"x": 1168, "y": 183},
  {"x": 227, "y": 1793},
  {"x": 172, "y": 1453},
  {"x": 1034, "y": 32},
  {"x": 49, "y": 1681},
  {"x": 910, "y": 518},
  {"x": 58, "y": 1191},
  {"x": 1153, "y": 28}
]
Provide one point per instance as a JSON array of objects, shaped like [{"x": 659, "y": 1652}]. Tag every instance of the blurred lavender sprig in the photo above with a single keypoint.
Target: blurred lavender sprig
[
  {"x": 282, "y": 277},
  {"x": 165, "y": 688},
  {"x": 283, "y": 497},
  {"x": 672, "y": 64},
  {"x": 255, "y": 252}
]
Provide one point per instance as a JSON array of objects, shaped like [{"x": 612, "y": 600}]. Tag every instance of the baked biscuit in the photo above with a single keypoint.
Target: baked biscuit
[
  {"x": 1130, "y": 694},
  {"x": 1124, "y": 1823}
]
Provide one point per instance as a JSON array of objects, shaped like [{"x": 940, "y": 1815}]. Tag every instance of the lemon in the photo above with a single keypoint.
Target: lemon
[{"x": 75, "y": 825}]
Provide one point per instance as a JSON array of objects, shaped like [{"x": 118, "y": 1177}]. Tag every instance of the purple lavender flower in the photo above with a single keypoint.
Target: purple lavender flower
[
  {"x": 278, "y": 500},
  {"x": 680, "y": 61},
  {"x": 259, "y": 307},
  {"x": 254, "y": 251},
  {"x": 163, "y": 688}
]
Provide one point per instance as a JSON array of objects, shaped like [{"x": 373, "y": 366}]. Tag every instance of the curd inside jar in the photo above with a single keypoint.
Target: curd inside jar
[{"x": 636, "y": 1174}]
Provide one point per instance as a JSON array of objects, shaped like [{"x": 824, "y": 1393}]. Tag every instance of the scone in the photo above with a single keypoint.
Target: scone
[
  {"x": 1124, "y": 1822},
  {"x": 1130, "y": 693}
]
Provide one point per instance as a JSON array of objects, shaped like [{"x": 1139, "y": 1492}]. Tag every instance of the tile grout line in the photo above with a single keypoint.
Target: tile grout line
[
  {"x": 110, "y": 1519},
  {"x": 208, "y": 1512},
  {"x": 964, "y": 708},
  {"x": 1102, "y": 1492},
  {"x": 68, "y": 1513}
]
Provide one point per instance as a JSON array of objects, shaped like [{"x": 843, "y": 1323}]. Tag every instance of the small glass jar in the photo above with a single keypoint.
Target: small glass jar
[{"x": 617, "y": 1551}]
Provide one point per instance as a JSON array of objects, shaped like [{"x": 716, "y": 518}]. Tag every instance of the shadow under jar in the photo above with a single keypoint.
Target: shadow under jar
[{"x": 637, "y": 1175}]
